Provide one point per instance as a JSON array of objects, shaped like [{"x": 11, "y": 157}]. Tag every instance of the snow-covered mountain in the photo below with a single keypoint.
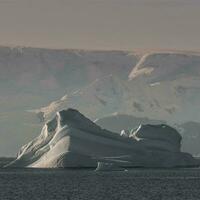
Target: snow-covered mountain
[
  {"x": 168, "y": 101},
  {"x": 72, "y": 140},
  {"x": 168, "y": 85},
  {"x": 162, "y": 86},
  {"x": 159, "y": 85},
  {"x": 100, "y": 98},
  {"x": 163, "y": 66},
  {"x": 31, "y": 78},
  {"x": 34, "y": 70}
]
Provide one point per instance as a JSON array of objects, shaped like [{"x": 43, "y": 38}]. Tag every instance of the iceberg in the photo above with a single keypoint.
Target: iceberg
[{"x": 72, "y": 140}]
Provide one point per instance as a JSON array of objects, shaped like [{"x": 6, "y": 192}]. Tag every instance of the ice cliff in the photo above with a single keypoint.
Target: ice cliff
[{"x": 72, "y": 140}]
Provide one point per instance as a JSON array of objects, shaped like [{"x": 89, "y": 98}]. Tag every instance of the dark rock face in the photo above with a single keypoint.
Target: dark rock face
[{"x": 72, "y": 140}]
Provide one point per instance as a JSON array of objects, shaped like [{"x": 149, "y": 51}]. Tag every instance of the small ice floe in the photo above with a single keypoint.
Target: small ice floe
[
  {"x": 154, "y": 84},
  {"x": 105, "y": 166}
]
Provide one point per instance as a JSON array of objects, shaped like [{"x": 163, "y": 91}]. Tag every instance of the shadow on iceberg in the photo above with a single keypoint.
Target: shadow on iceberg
[{"x": 71, "y": 140}]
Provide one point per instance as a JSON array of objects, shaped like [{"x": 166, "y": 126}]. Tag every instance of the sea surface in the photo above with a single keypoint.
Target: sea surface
[{"x": 61, "y": 184}]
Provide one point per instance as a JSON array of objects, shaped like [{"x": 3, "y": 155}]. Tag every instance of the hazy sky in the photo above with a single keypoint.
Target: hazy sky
[{"x": 101, "y": 24}]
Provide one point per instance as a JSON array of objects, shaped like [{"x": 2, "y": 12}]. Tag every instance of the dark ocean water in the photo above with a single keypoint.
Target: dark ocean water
[{"x": 141, "y": 184}]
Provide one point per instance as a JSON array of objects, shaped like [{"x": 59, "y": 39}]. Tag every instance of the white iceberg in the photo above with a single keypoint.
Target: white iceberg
[{"x": 72, "y": 140}]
